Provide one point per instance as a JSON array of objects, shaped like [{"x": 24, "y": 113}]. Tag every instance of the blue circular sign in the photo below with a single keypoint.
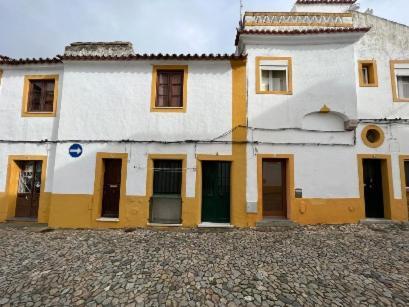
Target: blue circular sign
[{"x": 75, "y": 150}]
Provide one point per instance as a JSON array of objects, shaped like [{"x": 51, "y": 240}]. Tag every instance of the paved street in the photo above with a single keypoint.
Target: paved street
[{"x": 305, "y": 266}]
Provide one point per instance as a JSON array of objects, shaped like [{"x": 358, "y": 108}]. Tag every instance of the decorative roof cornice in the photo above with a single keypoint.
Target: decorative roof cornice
[
  {"x": 300, "y": 32},
  {"x": 326, "y": 1}
]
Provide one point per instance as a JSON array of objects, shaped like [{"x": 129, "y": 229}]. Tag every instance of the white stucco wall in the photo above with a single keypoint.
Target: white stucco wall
[
  {"x": 324, "y": 8},
  {"x": 111, "y": 101},
  {"x": 322, "y": 74},
  {"x": 76, "y": 175},
  {"x": 15, "y": 127},
  {"x": 7, "y": 150},
  {"x": 386, "y": 41}
]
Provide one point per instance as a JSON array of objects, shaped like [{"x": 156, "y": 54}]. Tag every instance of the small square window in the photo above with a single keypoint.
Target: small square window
[
  {"x": 368, "y": 76},
  {"x": 274, "y": 75}
]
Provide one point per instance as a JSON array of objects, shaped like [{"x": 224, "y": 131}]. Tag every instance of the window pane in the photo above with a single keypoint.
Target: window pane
[
  {"x": 403, "y": 86},
  {"x": 279, "y": 80},
  {"x": 163, "y": 78},
  {"x": 163, "y": 90},
  {"x": 34, "y": 97},
  {"x": 273, "y": 80},
  {"x": 176, "y": 78},
  {"x": 162, "y": 101},
  {"x": 167, "y": 177},
  {"x": 176, "y": 102},
  {"x": 265, "y": 77},
  {"x": 176, "y": 90}
]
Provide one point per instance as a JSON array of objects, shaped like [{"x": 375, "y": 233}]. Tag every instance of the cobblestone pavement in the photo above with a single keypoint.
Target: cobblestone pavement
[{"x": 306, "y": 266}]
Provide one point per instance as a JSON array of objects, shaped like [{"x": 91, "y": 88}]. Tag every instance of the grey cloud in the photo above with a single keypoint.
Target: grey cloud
[{"x": 40, "y": 28}]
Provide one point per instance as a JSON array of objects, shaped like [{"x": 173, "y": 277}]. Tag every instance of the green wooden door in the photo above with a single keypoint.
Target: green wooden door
[{"x": 216, "y": 191}]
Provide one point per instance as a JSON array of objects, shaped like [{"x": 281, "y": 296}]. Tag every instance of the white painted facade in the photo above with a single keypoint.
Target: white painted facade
[
  {"x": 107, "y": 103},
  {"x": 325, "y": 72},
  {"x": 106, "y": 107}
]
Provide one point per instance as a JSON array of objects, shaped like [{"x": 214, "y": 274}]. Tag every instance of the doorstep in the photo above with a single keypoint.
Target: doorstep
[
  {"x": 214, "y": 225},
  {"x": 108, "y": 219},
  {"x": 371, "y": 221},
  {"x": 22, "y": 219},
  {"x": 163, "y": 225}
]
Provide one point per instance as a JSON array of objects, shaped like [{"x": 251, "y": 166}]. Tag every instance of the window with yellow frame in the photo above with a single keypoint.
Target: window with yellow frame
[
  {"x": 368, "y": 73},
  {"x": 274, "y": 75},
  {"x": 400, "y": 80},
  {"x": 169, "y": 88},
  {"x": 40, "y": 96}
]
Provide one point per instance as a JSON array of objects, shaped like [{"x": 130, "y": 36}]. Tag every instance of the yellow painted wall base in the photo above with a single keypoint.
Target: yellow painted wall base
[
  {"x": 328, "y": 211},
  {"x": 75, "y": 211},
  {"x": 3, "y": 206},
  {"x": 312, "y": 211}
]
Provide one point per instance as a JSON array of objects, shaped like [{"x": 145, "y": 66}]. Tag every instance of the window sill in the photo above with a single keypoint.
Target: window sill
[
  {"x": 401, "y": 100},
  {"x": 173, "y": 109},
  {"x": 274, "y": 92},
  {"x": 38, "y": 114},
  {"x": 369, "y": 85},
  {"x": 108, "y": 219}
]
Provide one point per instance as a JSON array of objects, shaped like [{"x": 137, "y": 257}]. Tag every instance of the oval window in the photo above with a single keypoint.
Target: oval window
[{"x": 373, "y": 136}]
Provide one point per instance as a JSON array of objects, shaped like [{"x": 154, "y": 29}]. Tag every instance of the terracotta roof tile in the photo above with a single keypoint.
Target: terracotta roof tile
[
  {"x": 135, "y": 57},
  {"x": 9, "y": 61},
  {"x": 326, "y": 1},
  {"x": 300, "y": 32},
  {"x": 156, "y": 57}
]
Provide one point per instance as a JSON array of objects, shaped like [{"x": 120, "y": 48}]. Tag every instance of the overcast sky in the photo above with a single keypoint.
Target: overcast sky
[{"x": 41, "y": 28}]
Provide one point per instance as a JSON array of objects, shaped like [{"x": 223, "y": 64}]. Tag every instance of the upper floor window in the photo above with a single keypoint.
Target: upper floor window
[
  {"x": 368, "y": 75},
  {"x": 274, "y": 75},
  {"x": 169, "y": 88},
  {"x": 400, "y": 80},
  {"x": 40, "y": 95}
]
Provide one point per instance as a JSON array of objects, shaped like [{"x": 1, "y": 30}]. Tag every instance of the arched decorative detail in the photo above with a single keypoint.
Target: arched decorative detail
[{"x": 324, "y": 121}]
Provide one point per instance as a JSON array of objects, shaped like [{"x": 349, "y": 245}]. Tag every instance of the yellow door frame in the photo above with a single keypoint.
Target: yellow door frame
[
  {"x": 387, "y": 182},
  {"x": 289, "y": 182},
  {"x": 149, "y": 177},
  {"x": 199, "y": 159},
  {"x": 402, "y": 159},
  {"x": 96, "y": 208},
  {"x": 13, "y": 172}
]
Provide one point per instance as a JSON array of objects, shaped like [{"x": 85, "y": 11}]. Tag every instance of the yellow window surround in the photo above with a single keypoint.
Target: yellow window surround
[
  {"x": 26, "y": 90},
  {"x": 377, "y": 134},
  {"x": 372, "y": 73},
  {"x": 155, "y": 70},
  {"x": 394, "y": 82},
  {"x": 289, "y": 90}
]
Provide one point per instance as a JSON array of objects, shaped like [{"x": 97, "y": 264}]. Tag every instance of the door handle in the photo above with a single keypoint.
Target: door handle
[{"x": 112, "y": 186}]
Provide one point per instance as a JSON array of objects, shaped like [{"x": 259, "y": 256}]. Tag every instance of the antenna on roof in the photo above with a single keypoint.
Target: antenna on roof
[{"x": 241, "y": 13}]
